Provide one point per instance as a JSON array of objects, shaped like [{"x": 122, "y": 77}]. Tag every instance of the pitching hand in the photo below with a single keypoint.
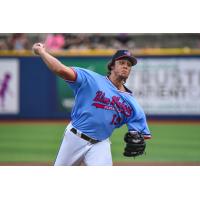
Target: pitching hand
[{"x": 38, "y": 48}]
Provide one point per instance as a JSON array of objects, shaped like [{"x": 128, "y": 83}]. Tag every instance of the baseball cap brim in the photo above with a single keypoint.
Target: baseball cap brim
[{"x": 132, "y": 59}]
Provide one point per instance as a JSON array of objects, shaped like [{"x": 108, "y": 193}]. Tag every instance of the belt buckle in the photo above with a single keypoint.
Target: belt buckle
[
  {"x": 91, "y": 141},
  {"x": 78, "y": 133}
]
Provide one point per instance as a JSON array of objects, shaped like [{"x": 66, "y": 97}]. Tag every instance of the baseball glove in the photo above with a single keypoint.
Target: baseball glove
[{"x": 135, "y": 144}]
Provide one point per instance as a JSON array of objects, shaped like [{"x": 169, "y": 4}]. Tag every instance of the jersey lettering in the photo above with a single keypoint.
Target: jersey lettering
[
  {"x": 116, "y": 120},
  {"x": 115, "y": 103}
]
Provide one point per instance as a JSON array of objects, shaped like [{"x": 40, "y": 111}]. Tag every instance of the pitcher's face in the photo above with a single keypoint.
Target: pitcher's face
[{"x": 122, "y": 68}]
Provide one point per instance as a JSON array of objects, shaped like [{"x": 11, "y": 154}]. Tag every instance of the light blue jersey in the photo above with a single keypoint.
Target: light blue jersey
[{"x": 100, "y": 107}]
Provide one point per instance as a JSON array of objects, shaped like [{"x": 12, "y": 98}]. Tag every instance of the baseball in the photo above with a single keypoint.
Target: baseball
[
  {"x": 36, "y": 48},
  {"x": 40, "y": 44}
]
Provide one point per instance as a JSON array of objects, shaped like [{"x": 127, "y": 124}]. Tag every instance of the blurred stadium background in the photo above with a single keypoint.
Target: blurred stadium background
[{"x": 35, "y": 105}]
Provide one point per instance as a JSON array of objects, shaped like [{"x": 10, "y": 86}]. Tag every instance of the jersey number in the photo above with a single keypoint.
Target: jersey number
[{"x": 116, "y": 120}]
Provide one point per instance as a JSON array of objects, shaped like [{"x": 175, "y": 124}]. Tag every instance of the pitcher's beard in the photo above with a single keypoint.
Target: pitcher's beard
[{"x": 123, "y": 78}]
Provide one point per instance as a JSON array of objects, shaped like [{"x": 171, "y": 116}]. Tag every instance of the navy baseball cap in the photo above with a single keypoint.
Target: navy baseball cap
[{"x": 121, "y": 54}]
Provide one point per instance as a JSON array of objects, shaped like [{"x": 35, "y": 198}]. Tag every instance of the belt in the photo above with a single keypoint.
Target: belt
[{"x": 83, "y": 136}]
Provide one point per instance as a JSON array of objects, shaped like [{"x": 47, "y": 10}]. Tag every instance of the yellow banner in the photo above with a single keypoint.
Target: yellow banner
[{"x": 106, "y": 52}]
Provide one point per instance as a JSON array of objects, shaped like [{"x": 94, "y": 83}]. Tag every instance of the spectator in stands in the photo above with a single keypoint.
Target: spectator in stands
[
  {"x": 77, "y": 41},
  {"x": 3, "y": 45},
  {"x": 55, "y": 41},
  {"x": 18, "y": 41},
  {"x": 123, "y": 37}
]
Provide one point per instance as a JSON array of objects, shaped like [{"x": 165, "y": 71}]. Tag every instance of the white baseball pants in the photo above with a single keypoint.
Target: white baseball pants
[{"x": 77, "y": 151}]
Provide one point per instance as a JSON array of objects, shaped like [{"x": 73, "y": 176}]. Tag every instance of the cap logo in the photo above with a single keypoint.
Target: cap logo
[{"x": 127, "y": 53}]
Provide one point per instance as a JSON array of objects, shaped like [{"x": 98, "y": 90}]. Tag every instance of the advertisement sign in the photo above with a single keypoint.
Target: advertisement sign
[
  {"x": 167, "y": 85},
  {"x": 9, "y": 86}
]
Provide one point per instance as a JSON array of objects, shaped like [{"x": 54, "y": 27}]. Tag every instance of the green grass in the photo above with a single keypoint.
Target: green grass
[
  {"x": 29, "y": 142},
  {"x": 40, "y": 142}
]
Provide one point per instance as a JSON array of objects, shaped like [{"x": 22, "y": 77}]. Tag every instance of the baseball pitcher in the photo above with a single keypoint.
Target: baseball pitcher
[{"x": 102, "y": 103}]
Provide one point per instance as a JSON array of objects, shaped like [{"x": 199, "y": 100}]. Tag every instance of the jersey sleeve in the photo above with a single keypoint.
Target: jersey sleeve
[
  {"x": 81, "y": 77},
  {"x": 138, "y": 123}
]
